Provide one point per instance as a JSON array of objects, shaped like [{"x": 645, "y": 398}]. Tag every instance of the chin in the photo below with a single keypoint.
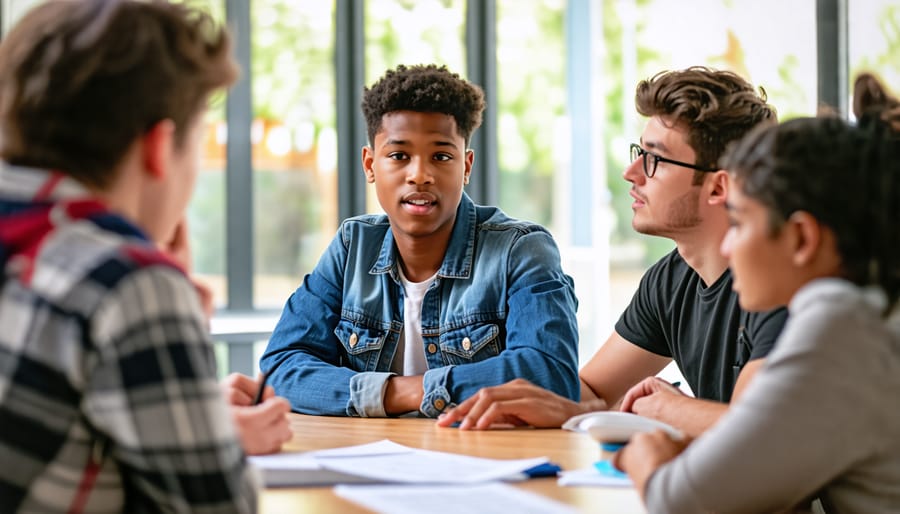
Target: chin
[{"x": 646, "y": 229}]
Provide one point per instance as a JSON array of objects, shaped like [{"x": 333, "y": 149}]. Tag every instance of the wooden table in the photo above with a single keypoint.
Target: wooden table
[{"x": 568, "y": 449}]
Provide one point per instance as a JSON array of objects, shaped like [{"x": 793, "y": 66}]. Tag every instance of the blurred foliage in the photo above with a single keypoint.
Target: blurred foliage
[
  {"x": 615, "y": 130},
  {"x": 887, "y": 63},
  {"x": 293, "y": 82},
  {"x": 531, "y": 78}
]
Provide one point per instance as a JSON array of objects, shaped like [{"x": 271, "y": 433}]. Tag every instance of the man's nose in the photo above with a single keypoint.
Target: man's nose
[
  {"x": 419, "y": 172},
  {"x": 634, "y": 172}
]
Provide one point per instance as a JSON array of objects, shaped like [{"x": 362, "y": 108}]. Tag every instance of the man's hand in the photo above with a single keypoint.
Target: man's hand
[
  {"x": 262, "y": 428},
  {"x": 178, "y": 248},
  {"x": 645, "y": 453},
  {"x": 648, "y": 397},
  {"x": 515, "y": 403},
  {"x": 655, "y": 398}
]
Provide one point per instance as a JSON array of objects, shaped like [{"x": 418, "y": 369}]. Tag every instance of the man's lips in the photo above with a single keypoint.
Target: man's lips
[
  {"x": 418, "y": 203},
  {"x": 637, "y": 196},
  {"x": 419, "y": 199}
]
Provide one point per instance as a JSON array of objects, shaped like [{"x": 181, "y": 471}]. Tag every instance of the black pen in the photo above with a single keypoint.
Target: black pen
[{"x": 262, "y": 388}]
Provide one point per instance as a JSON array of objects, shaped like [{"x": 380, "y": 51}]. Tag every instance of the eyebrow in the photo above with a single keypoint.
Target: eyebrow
[
  {"x": 403, "y": 142},
  {"x": 654, "y": 145}
]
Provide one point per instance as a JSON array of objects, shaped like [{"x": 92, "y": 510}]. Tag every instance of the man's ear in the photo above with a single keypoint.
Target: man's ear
[
  {"x": 470, "y": 161},
  {"x": 717, "y": 185},
  {"x": 368, "y": 160},
  {"x": 806, "y": 237},
  {"x": 156, "y": 148}
]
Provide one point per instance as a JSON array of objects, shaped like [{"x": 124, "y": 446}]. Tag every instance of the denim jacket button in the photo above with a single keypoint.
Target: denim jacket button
[
  {"x": 353, "y": 340},
  {"x": 439, "y": 404},
  {"x": 432, "y": 348},
  {"x": 467, "y": 344}
]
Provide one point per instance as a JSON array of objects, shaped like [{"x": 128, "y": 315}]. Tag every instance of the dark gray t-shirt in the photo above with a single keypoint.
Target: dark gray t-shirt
[{"x": 703, "y": 329}]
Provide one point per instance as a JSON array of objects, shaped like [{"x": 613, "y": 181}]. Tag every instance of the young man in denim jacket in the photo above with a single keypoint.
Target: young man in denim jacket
[{"x": 418, "y": 308}]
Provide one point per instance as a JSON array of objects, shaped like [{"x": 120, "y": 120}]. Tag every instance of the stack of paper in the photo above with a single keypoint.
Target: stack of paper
[{"x": 386, "y": 462}]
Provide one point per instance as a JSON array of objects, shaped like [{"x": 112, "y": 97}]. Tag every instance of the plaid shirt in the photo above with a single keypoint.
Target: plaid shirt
[{"x": 108, "y": 394}]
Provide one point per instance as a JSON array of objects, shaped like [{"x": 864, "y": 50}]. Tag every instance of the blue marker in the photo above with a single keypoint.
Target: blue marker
[{"x": 606, "y": 468}]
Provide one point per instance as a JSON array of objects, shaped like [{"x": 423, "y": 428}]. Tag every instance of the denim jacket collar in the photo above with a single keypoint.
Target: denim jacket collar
[{"x": 458, "y": 259}]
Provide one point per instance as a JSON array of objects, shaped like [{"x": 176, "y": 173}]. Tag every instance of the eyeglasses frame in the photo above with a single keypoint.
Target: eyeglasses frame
[{"x": 643, "y": 153}]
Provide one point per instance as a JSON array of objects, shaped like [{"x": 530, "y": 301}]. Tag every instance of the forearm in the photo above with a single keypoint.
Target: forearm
[
  {"x": 590, "y": 401},
  {"x": 692, "y": 416},
  {"x": 536, "y": 367},
  {"x": 403, "y": 394},
  {"x": 311, "y": 385}
]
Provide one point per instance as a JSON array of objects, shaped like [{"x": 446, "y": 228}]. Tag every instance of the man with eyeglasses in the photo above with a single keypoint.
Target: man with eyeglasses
[{"x": 684, "y": 309}]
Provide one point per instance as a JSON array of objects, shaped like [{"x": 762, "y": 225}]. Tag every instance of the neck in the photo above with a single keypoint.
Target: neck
[
  {"x": 420, "y": 259},
  {"x": 700, "y": 249},
  {"x": 126, "y": 196}
]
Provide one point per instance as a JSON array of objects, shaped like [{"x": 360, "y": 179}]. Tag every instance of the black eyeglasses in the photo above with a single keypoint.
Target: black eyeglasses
[{"x": 651, "y": 160}]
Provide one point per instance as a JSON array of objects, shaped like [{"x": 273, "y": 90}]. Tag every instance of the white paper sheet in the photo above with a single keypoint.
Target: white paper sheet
[
  {"x": 383, "y": 447},
  {"x": 491, "y": 498},
  {"x": 385, "y": 461},
  {"x": 422, "y": 466}
]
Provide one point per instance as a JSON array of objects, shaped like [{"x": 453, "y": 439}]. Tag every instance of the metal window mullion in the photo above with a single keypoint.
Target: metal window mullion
[
  {"x": 349, "y": 59},
  {"x": 481, "y": 59},
  {"x": 831, "y": 47},
  {"x": 239, "y": 167}
]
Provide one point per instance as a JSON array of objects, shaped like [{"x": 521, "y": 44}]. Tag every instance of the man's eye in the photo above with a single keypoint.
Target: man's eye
[
  {"x": 442, "y": 157},
  {"x": 397, "y": 156}
]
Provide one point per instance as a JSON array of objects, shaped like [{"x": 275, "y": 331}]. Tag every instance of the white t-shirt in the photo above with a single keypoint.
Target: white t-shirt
[{"x": 410, "y": 356}]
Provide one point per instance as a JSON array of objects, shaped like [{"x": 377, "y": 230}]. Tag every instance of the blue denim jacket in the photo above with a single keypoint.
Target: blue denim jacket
[{"x": 500, "y": 308}]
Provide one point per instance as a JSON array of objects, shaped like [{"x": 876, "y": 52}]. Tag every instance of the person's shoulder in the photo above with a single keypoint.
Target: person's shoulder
[
  {"x": 492, "y": 218},
  {"x": 670, "y": 265},
  {"x": 80, "y": 268},
  {"x": 138, "y": 287},
  {"x": 366, "y": 220},
  {"x": 81, "y": 255},
  {"x": 838, "y": 301},
  {"x": 364, "y": 225}
]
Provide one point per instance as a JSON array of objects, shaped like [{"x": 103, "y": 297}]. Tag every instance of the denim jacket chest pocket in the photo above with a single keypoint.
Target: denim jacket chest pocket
[
  {"x": 362, "y": 344},
  {"x": 471, "y": 343}
]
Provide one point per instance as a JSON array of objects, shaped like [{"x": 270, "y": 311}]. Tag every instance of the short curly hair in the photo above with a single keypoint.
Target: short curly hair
[
  {"x": 715, "y": 106},
  {"x": 424, "y": 88}
]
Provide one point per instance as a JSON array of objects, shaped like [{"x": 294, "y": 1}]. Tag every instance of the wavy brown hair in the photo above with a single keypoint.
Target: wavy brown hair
[
  {"x": 80, "y": 81},
  {"x": 715, "y": 106}
]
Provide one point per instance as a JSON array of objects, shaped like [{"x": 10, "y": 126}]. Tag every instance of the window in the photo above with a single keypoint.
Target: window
[
  {"x": 294, "y": 143},
  {"x": 874, "y": 40},
  {"x": 563, "y": 100}
]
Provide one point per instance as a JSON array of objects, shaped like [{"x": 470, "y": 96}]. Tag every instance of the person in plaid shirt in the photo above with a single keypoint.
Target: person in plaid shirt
[{"x": 109, "y": 400}]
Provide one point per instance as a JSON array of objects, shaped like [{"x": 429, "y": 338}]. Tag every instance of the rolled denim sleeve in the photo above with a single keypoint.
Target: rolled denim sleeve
[
  {"x": 541, "y": 331},
  {"x": 436, "y": 395},
  {"x": 367, "y": 393}
]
